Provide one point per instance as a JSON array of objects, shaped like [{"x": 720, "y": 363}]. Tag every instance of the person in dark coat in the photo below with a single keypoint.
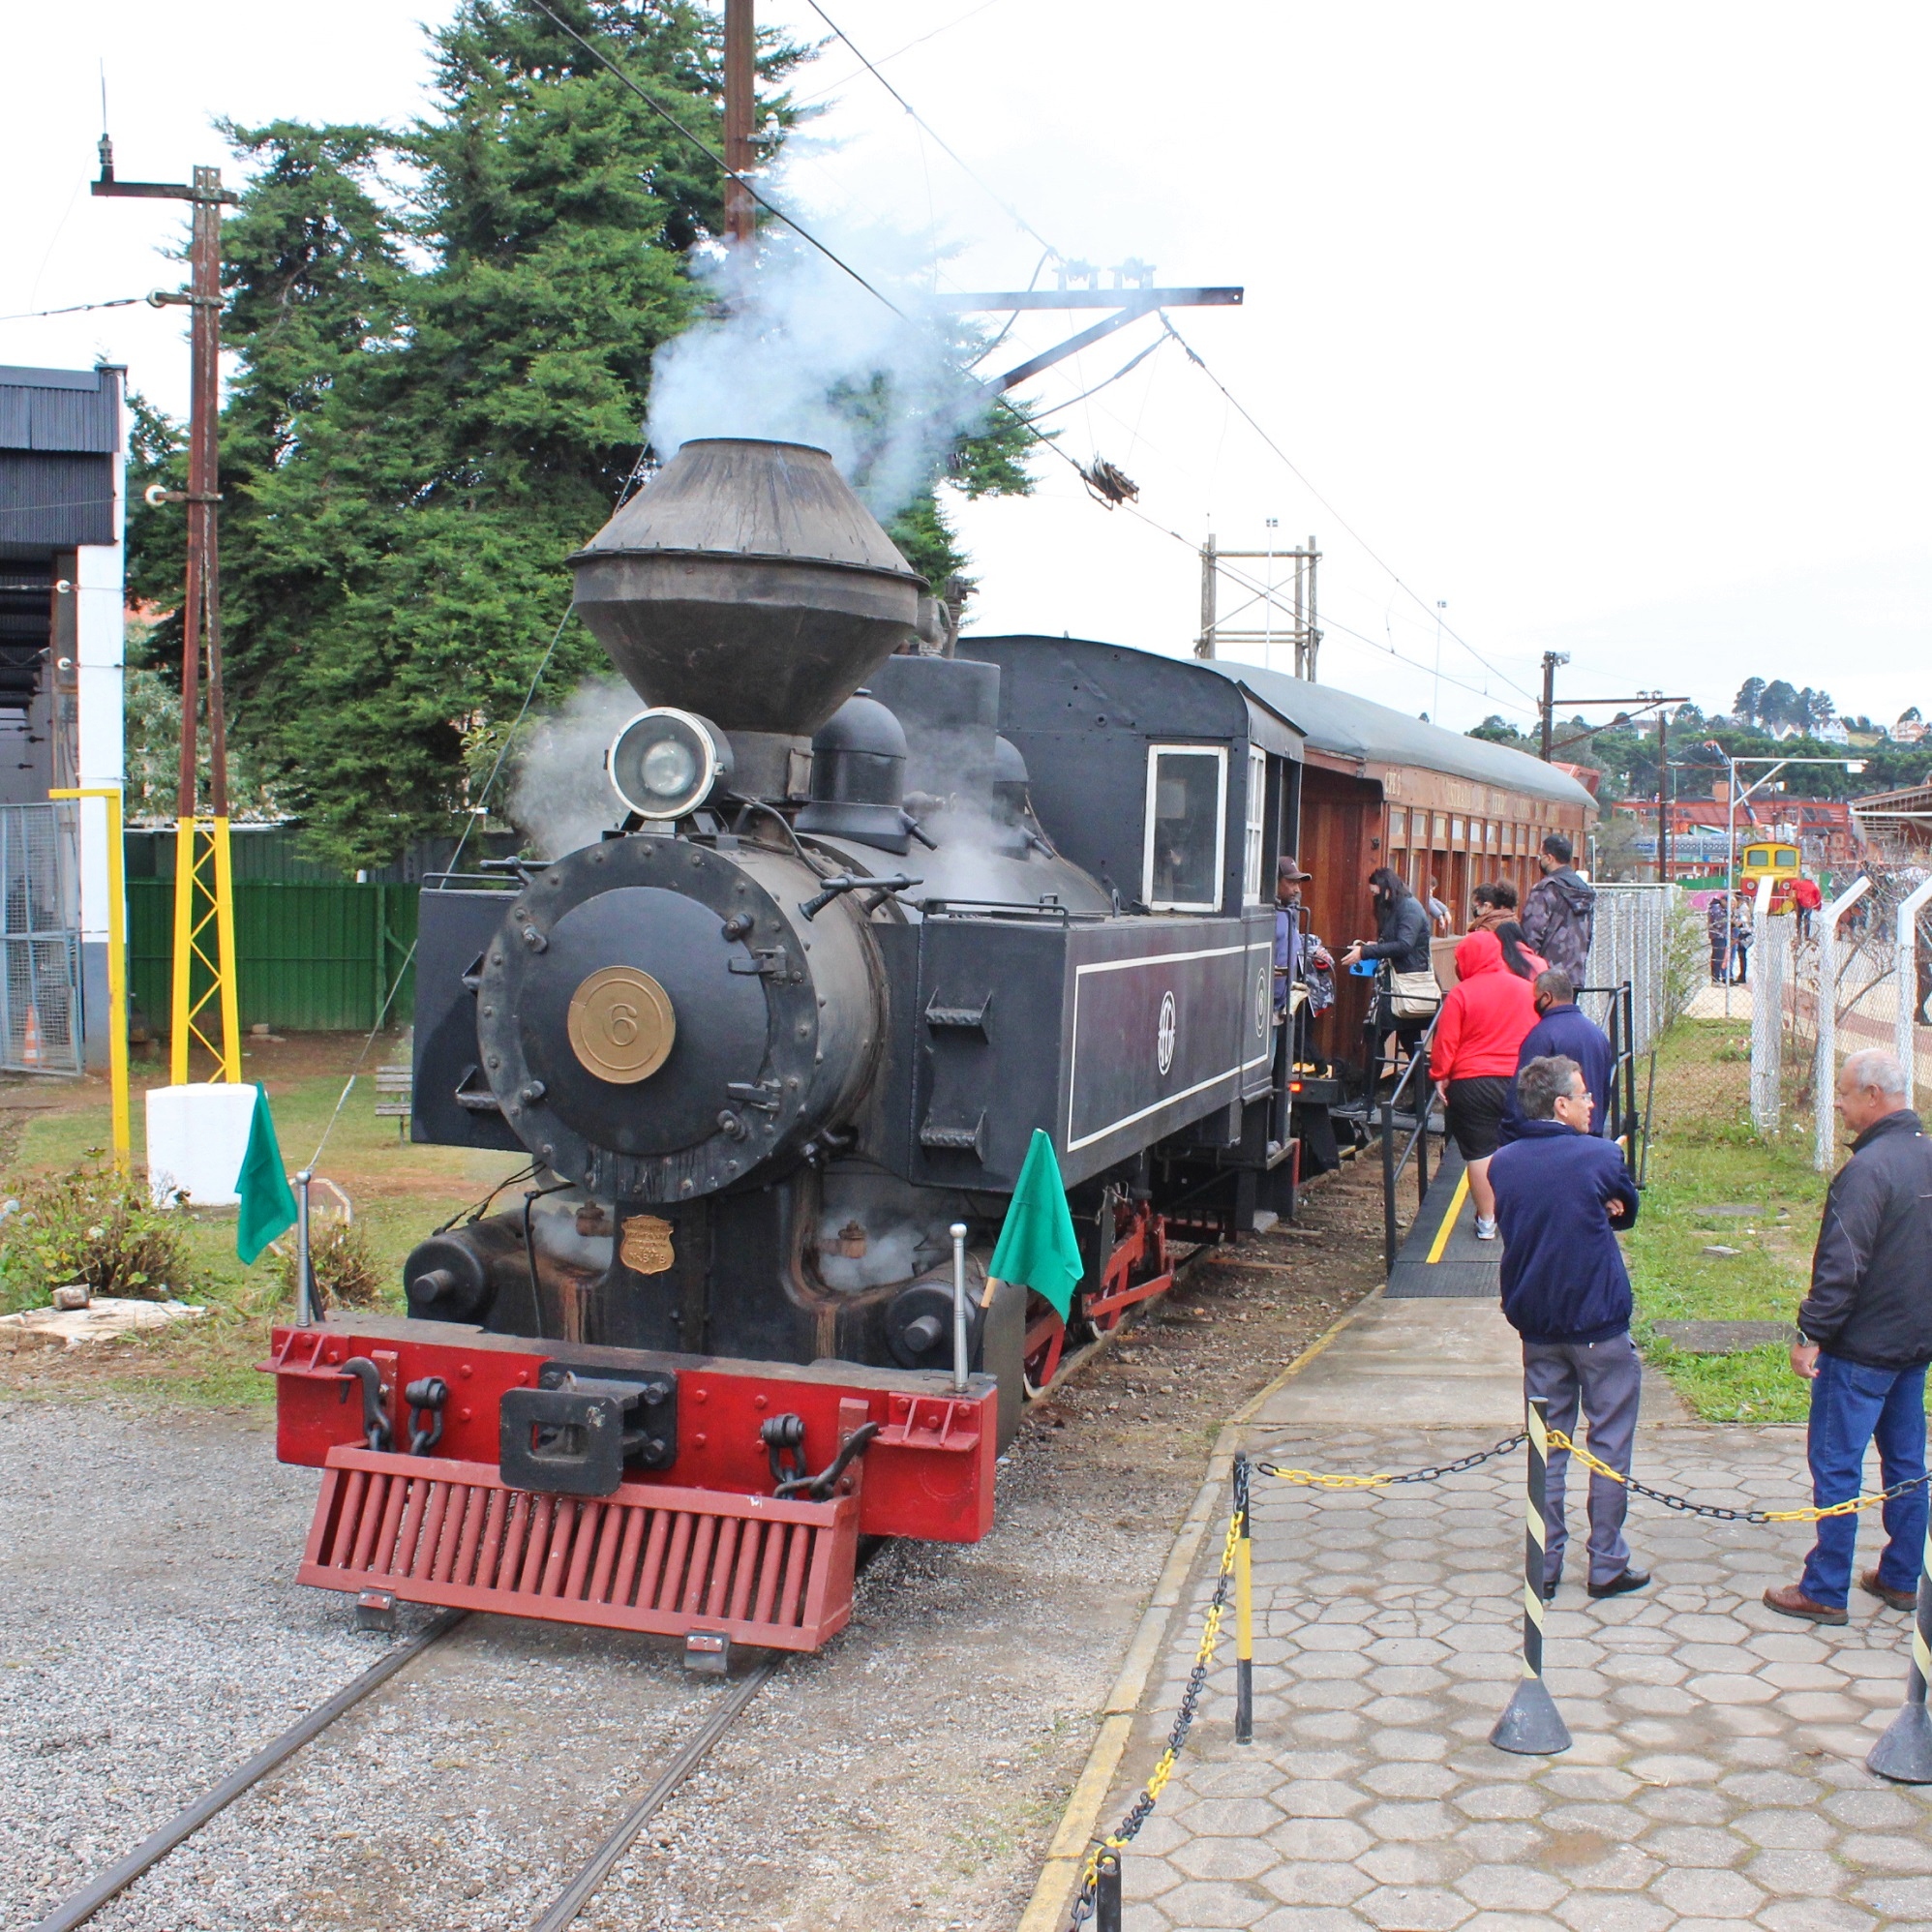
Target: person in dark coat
[
  {"x": 1562, "y": 1194},
  {"x": 1560, "y": 910},
  {"x": 1564, "y": 1027},
  {"x": 1866, "y": 1329},
  {"x": 1403, "y": 932},
  {"x": 1717, "y": 924}
]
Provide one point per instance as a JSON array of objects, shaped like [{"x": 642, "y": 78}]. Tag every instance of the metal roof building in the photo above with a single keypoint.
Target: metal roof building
[{"x": 63, "y": 442}]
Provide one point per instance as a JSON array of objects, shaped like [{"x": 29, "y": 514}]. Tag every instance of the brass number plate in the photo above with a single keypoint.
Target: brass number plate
[{"x": 621, "y": 1025}]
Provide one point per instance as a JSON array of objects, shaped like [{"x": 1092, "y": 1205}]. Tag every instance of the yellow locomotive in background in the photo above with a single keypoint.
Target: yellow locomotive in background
[{"x": 1774, "y": 860}]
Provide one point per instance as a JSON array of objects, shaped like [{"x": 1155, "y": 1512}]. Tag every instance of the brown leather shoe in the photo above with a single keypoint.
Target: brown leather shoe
[
  {"x": 1788, "y": 1600},
  {"x": 1869, "y": 1582}
]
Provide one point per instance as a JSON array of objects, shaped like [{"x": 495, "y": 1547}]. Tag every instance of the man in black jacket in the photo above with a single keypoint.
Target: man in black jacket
[{"x": 1866, "y": 1329}]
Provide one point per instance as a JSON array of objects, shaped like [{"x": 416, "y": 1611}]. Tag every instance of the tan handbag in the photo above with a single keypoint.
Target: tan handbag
[{"x": 1413, "y": 995}]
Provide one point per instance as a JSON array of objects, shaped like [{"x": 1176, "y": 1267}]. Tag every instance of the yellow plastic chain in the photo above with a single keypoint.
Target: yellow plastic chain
[{"x": 1811, "y": 1512}]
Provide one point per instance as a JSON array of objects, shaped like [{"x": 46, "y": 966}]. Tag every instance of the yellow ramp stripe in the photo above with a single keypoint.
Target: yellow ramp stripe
[{"x": 1448, "y": 1226}]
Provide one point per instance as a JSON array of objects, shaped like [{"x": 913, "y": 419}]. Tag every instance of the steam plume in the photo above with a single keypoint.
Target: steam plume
[{"x": 804, "y": 355}]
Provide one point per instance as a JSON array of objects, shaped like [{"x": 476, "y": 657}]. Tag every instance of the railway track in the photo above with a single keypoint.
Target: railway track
[{"x": 734, "y": 1698}]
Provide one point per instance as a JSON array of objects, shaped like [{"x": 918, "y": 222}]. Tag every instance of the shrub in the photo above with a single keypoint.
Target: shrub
[
  {"x": 92, "y": 1224},
  {"x": 345, "y": 1267}
]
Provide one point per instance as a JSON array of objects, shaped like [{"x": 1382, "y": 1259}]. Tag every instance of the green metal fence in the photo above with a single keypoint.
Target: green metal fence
[{"x": 309, "y": 957}]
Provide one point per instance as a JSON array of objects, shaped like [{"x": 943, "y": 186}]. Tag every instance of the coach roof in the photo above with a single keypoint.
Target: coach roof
[{"x": 1351, "y": 727}]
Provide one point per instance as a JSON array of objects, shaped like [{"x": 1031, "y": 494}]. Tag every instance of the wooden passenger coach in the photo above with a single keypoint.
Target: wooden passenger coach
[{"x": 1378, "y": 788}]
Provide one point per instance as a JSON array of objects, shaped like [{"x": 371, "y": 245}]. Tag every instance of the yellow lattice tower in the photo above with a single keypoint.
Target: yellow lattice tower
[{"x": 206, "y": 1009}]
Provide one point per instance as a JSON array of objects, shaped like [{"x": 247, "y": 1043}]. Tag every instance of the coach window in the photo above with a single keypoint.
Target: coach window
[
  {"x": 1255, "y": 826},
  {"x": 1187, "y": 822}
]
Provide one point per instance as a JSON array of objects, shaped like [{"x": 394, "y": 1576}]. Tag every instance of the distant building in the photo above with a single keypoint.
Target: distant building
[
  {"x": 63, "y": 457},
  {"x": 1823, "y": 829},
  {"x": 1898, "y": 824}
]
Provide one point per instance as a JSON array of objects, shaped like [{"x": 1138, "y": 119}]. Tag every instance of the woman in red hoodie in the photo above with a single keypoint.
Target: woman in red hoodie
[{"x": 1487, "y": 1017}]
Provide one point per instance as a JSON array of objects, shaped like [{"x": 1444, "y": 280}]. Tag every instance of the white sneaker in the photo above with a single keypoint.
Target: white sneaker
[{"x": 1485, "y": 1230}]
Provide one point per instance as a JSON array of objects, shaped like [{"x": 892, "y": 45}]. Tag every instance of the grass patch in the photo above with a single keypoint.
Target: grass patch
[
  {"x": 1705, "y": 1155},
  {"x": 399, "y": 1193}
]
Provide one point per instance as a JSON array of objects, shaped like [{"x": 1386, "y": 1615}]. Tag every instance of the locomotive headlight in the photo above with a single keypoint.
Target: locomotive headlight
[{"x": 666, "y": 763}]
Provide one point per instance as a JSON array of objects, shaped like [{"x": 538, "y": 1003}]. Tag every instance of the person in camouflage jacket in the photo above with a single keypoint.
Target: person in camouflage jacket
[{"x": 1560, "y": 910}]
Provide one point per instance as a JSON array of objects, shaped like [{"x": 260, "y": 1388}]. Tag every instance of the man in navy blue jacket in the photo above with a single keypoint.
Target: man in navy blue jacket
[
  {"x": 1565, "y": 1028},
  {"x": 1560, "y": 1194}
]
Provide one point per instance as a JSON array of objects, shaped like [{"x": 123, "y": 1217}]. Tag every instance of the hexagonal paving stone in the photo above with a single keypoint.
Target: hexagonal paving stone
[
  {"x": 1211, "y": 1904},
  {"x": 1311, "y": 1839},
  {"x": 1799, "y": 1874},
  {"x": 1414, "y": 1909},
  {"x": 1318, "y": 1881},
  {"x": 1693, "y": 1845},
  {"x": 1809, "y": 1914},
  {"x": 1414, "y": 1864},
  {"x": 1704, "y": 1892},
  {"x": 1228, "y": 1817},
  {"x": 1511, "y": 1887},
  {"x": 1233, "y": 1859}
]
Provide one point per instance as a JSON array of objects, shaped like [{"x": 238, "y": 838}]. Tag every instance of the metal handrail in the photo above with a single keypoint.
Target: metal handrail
[{"x": 1418, "y": 1140}]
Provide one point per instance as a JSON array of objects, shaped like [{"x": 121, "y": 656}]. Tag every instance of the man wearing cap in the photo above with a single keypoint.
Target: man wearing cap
[{"x": 1288, "y": 879}]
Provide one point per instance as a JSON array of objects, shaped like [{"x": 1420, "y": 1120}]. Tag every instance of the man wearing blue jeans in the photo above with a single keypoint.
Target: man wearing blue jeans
[{"x": 1867, "y": 1336}]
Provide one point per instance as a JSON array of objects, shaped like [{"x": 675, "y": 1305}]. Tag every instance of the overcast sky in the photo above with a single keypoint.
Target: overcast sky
[{"x": 1603, "y": 327}]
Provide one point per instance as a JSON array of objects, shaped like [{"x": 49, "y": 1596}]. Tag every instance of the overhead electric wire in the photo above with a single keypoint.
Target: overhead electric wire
[
  {"x": 959, "y": 20},
  {"x": 74, "y": 309},
  {"x": 1126, "y": 369},
  {"x": 1012, "y": 213},
  {"x": 712, "y": 154},
  {"x": 1194, "y": 356},
  {"x": 1021, "y": 417}
]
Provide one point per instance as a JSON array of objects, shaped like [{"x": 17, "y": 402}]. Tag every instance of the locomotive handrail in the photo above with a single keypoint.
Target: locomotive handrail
[{"x": 1003, "y": 909}]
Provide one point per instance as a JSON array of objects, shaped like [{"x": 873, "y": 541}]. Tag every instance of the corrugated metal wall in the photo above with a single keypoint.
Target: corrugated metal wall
[{"x": 309, "y": 957}]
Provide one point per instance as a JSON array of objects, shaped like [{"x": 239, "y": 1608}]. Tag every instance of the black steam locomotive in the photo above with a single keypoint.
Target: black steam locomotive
[{"x": 867, "y": 914}]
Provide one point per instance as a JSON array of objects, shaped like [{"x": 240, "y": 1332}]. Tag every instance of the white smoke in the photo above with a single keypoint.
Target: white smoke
[
  {"x": 561, "y": 797},
  {"x": 802, "y": 353}
]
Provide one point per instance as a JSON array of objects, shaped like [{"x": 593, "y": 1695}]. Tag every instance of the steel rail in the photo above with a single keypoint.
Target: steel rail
[
  {"x": 578, "y": 1893},
  {"x": 82, "y": 1905}
]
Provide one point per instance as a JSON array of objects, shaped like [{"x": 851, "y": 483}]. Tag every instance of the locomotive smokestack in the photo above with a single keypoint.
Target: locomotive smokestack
[{"x": 749, "y": 584}]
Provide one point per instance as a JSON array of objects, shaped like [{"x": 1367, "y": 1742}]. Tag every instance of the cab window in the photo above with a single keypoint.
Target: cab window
[{"x": 1186, "y": 807}]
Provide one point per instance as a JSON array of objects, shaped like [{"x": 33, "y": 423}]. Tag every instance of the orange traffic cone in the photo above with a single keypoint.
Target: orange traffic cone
[{"x": 30, "y": 1045}]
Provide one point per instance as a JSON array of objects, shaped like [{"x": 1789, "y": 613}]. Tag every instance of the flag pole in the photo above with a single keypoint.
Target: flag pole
[
  {"x": 305, "y": 1299},
  {"x": 959, "y": 1349}
]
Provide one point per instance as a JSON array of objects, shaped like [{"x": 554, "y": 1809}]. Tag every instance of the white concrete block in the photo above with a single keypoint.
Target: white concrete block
[{"x": 196, "y": 1138}]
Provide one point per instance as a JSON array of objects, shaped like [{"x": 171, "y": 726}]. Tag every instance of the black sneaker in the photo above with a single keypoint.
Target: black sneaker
[{"x": 1630, "y": 1579}]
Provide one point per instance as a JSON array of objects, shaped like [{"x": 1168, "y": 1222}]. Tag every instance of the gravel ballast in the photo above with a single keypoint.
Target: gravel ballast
[{"x": 913, "y": 1772}]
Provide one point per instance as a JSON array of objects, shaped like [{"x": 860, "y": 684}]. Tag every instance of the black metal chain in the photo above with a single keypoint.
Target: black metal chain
[
  {"x": 1308, "y": 1479},
  {"x": 1142, "y": 1808},
  {"x": 1716, "y": 1513}
]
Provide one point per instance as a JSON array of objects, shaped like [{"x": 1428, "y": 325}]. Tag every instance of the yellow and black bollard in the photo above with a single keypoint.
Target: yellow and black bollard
[
  {"x": 1244, "y": 1606},
  {"x": 1530, "y": 1725},
  {"x": 1904, "y": 1754}
]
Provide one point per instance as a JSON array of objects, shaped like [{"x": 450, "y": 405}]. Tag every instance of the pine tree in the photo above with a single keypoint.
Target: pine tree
[{"x": 444, "y": 338}]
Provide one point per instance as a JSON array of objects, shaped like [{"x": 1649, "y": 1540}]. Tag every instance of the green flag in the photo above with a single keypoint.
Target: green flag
[
  {"x": 1038, "y": 1246},
  {"x": 267, "y": 1206}
]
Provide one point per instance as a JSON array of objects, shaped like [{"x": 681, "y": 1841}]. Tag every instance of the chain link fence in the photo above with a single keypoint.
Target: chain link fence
[{"x": 39, "y": 940}]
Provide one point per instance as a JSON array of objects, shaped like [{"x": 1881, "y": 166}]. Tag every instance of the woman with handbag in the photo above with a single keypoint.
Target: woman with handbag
[
  {"x": 1406, "y": 994},
  {"x": 1487, "y": 1015}
]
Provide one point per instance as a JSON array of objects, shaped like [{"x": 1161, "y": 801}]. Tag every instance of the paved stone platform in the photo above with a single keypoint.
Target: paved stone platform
[{"x": 1717, "y": 1776}]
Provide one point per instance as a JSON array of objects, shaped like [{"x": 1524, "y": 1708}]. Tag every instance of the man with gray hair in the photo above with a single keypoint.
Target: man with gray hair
[
  {"x": 1561, "y": 1196},
  {"x": 1865, "y": 1338}
]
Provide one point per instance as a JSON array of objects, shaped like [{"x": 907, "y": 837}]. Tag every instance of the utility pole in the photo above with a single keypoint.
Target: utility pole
[
  {"x": 1204, "y": 642},
  {"x": 204, "y": 1003},
  {"x": 1663, "y": 797},
  {"x": 1298, "y": 605},
  {"x": 1548, "y": 708},
  {"x": 741, "y": 73}
]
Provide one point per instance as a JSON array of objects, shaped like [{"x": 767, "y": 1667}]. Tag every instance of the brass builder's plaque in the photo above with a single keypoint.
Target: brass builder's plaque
[
  {"x": 621, "y": 1025},
  {"x": 647, "y": 1245}
]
